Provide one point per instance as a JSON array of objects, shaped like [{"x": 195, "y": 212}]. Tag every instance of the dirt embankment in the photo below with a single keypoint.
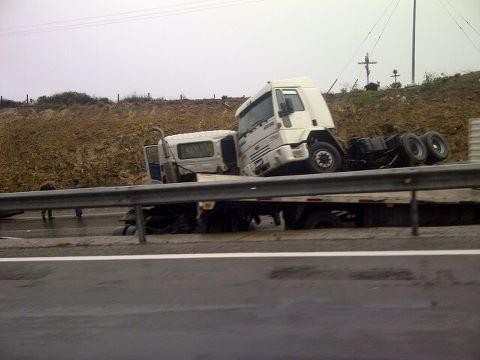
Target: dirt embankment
[{"x": 102, "y": 144}]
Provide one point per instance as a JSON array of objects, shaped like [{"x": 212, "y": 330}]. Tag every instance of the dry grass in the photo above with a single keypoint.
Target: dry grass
[{"x": 100, "y": 145}]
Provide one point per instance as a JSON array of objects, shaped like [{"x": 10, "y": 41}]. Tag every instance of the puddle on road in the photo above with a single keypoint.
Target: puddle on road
[{"x": 311, "y": 272}]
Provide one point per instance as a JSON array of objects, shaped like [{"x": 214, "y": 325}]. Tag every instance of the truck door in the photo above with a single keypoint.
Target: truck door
[
  {"x": 152, "y": 162},
  {"x": 297, "y": 117}
]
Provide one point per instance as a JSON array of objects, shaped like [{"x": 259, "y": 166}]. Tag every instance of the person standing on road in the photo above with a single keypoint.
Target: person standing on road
[
  {"x": 49, "y": 185},
  {"x": 78, "y": 211}
]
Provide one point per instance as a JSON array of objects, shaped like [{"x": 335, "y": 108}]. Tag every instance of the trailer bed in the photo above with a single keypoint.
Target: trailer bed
[{"x": 451, "y": 196}]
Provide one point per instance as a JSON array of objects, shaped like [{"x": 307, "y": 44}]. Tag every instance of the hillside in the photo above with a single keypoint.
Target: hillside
[{"x": 102, "y": 144}]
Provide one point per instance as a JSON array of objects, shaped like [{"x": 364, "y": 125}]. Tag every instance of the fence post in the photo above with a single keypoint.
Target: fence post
[
  {"x": 140, "y": 225},
  {"x": 118, "y": 98},
  {"x": 27, "y": 98}
]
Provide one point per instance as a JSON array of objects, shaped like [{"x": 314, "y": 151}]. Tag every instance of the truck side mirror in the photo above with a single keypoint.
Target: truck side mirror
[
  {"x": 286, "y": 108},
  {"x": 289, "y": 104}
]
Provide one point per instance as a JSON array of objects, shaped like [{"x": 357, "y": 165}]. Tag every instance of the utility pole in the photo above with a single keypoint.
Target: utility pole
[
  {"x": 367, "y": 64},
  {"x": 395, "y": 74},
  {"x": 413, "y": 40}
]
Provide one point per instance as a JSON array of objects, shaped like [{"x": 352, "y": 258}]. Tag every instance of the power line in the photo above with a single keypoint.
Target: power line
[
  {"x": 361, "y": 44},
  {"x": 186, "y": 10},
  {"x": 460, "y": 27},
  {"x": 379, "y": 37},
  {"x": 101, "y": 16},
  {"x": 384, "y": 28},
  {"x": 458, "y": 12},
  {"x": 157, "y": 14}
]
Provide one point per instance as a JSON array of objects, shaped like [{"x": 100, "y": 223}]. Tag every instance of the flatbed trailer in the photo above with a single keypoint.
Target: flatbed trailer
[{"x": 435, "y": 208}]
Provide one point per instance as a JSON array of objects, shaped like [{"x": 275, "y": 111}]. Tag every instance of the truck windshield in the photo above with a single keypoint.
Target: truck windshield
[
  {"x": 195, "y": 150},
  {"x": 258, "y": 112}
]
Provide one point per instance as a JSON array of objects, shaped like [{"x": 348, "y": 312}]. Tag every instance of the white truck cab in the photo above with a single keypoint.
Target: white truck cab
[
  {"x": 285, "y": 129},
  {"x": 200, "y": 152},
  {"x": 277, "y": 125}
]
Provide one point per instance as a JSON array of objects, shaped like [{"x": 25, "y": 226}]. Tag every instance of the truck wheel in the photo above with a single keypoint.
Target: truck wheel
[
  {"x": 321, "y": 219},
  {"x": 131, "y": 230},
  {"x": 120, "y": 230},
  {"x": 323, "y": 158},
  {"x": 413, "y": 149},
  {"x": 437, "y": 148}
]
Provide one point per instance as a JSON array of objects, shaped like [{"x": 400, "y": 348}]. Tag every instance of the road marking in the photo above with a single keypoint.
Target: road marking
[{"x": 249, "y": 255}]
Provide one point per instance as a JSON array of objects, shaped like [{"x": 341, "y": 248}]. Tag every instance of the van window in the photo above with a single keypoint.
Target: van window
[
  {"x": 291, "y": 94},
  {"x": 195, "y": 150},
  {"x": 258, "y": 112}
]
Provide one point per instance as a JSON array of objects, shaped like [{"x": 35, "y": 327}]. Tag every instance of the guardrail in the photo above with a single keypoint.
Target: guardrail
[{"x": 383, "y": 180}]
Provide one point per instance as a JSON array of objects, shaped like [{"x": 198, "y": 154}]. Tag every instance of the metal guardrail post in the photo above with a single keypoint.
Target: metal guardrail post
[
  {"x": 414, "y": 213},
  {"x": 140, "y": 224}
]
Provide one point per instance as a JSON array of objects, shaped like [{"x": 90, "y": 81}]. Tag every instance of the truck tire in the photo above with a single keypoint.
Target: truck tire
[
  {"x": 120, "y": 230},
  {"x": 321, "y": 219},
  {"x": 413, "y": 149},
  {"x": 323, "y": 158},
  {"x": 437, "y": 148}
]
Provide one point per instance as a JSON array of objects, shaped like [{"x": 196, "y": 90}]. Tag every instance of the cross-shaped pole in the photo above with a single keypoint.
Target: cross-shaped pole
[
  {"x": 395, "y": 74},
  {"x": 367, "y": 64}
]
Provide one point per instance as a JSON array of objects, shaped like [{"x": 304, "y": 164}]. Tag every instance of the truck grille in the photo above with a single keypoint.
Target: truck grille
[{"x": 259, "y": 153}]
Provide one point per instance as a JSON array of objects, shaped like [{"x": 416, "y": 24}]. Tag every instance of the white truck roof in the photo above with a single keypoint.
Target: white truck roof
[
  {"x": 200, "y": 135},
  {"x": 305, "y": 82}
]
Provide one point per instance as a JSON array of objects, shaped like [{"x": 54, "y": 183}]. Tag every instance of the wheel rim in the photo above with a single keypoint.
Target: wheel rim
[
  {"x": 438, "y": 146},
  {"x": 324, "y": 159}
]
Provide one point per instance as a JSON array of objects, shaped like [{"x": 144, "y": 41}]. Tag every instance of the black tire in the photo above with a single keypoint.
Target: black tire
[
  {"x": 413, "y": 149},
  {"x": 320, "y": 220},
  {"x": 323, "y": 158},
  {"x": 131, "y": 230},
  {"x": 120, "y": 230},
  {"x": 437, "y": 147}
]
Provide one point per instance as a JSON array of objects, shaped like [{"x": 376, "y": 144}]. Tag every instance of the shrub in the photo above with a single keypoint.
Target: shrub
[
  {"x": 6, "y": 103},
  {"x": 430, "y": 77},
  {"x": 70, "y": 98},
  {"x": 136, "y": 98}
]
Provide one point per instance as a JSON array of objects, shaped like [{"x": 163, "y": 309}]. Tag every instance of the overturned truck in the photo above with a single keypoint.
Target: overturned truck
[{"x": 287, "y": 129}]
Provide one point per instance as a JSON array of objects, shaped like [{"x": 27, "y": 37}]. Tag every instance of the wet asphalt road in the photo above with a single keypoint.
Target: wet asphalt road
[
  {"x": 419, "y": 307},
  {"x": 94, "y": 222}
]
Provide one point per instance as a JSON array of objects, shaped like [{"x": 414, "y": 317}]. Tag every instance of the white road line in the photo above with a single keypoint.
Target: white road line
[{"x": 249, "y": 255}]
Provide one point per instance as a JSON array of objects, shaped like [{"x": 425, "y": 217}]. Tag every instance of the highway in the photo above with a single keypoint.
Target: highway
[{"x": 298, "y": 306}]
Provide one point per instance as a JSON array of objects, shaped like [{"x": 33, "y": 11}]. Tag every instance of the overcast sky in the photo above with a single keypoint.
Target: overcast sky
[{"x": 226, "y": 47}]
